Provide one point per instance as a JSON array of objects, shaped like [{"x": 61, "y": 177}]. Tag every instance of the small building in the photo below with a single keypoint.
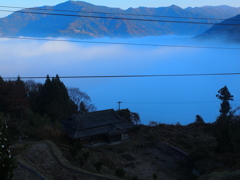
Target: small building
[{"x": 97, "y": 127}]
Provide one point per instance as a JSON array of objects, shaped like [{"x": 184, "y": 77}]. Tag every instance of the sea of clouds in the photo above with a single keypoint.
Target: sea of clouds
[{"x": 160, "y": 99}]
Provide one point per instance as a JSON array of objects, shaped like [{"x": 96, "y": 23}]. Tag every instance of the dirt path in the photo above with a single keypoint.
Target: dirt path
[{"x": 41, "y": 159}]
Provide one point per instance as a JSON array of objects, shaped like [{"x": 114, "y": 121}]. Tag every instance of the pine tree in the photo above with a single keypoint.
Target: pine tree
[
  {"x": 7, "y": 164},
  {"x": 225, "y": 96},
  {"x": 223, "y": 131},
  {"x": 12, "y": 96},
  {"x": 54, "y": 100}
]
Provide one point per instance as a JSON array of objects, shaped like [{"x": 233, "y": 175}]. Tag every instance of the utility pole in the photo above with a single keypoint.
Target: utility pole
[{"x": 119, "y": 102}]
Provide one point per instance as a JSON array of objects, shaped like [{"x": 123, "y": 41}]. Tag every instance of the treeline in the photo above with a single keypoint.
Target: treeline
[
  {"x": 32, "y": 107},
  {"x": 227, "y": 124},
  {"x": 225, "y": 129}
]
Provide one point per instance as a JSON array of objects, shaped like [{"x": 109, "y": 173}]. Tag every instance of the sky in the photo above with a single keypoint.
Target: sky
[
  {"x": 160, "y": 99},
  {"x": 124, "y": 4}
]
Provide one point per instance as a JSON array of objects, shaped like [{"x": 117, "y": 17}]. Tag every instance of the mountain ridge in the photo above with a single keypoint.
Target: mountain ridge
[
  {"x": 223, "y": 32},
  {"x": 44, "y": 25}
]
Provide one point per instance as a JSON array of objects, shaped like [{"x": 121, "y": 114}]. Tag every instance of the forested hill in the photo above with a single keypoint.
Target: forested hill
[
  {"x": 51, "y": 21},
  {"x": 223, "y": 31}
]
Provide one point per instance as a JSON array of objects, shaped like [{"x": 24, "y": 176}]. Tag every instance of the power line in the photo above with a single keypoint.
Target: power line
[
  {"x": 170, "y": 103},
  {"x": 119, "y": 18},
  {"x": 116, "y": 43},
  {"x": 173, "y": 103},
  {"x": 124, "y": 14},
  {"x": 126, "y": 76}
]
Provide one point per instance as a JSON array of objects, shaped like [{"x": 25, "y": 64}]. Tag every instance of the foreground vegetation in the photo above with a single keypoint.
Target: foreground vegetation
[{"x": 33, "y": 112}]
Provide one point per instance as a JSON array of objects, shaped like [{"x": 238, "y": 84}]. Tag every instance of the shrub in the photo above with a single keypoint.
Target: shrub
[
  {"x": 98, "y": 166},
  {"x": 200, "y": 153},
  {"x": 178, "y": 124},
  {"x": 155, "y": 176},
  {"x": 7, "y": 163},
  {"x": 86, "y": 155},
  {"x": 199, "y": 120},
  {"x": 134, "y": 178},
  {"x": 81, "y": 161},
  {"x": 119, "y": 172},
  {"x": 73, "y": 150},
  {"x": 48, "y": 132},
  {"x": 153, "y": 123}
]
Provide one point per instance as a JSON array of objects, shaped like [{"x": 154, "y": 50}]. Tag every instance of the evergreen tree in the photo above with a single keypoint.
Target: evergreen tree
[
  {"x": 2, "y": 95},
  {"x": 53, "y": 99},
  {"x": 7, "y": 164},
  {"x": 33, "y": 90},
  {"x": 19, "y": 100},
  {"x": 223, "y": 122},
  {"x": 12, "y": 96},
  {"x": 225, "y": 96}
]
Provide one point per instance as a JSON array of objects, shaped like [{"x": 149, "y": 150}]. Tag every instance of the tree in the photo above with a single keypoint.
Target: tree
[
  {"x": 199, "y": 120},
  {"x": 129, "y": 116},
  {"x": 81, "y": 99},
  {"x": 225, "y": 96},
  {"x": 135, "y": 118},
  {"x": 7, "y": 164},
  {"x": 223, "y": 122},
  {"x": 12, "y": 96},
  {"x": 53, "y": 100},
  {"x": 83, "y": 108},
  {"x": 3, "y": 93},
  {"x": 33, "y": 90}
]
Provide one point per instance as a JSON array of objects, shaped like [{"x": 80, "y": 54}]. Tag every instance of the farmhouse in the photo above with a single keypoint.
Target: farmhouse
[{"x": 96, "y": 127}]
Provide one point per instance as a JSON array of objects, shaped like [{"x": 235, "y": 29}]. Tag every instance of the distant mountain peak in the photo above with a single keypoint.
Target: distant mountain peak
[
  {"x": 44, "y": 25},
  {"x": 74, "y": 3},
  {"x": 173, "y": 6}
]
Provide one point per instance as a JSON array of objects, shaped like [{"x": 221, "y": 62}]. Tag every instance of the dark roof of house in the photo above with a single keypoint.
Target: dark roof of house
[{"x": 98, "y": 122}]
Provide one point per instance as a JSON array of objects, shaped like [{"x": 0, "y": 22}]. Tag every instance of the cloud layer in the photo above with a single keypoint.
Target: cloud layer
[{"x": 161, "y": 99}]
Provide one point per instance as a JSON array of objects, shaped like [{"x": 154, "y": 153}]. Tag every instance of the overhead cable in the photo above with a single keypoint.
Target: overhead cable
[
  {"x": 117, "y": 43},
  {"x": 126, "y": 76},
  {"x": 122, "y": 14},
  {"x": 156, "y": 103},
  {"x": 121, "y": 18}
]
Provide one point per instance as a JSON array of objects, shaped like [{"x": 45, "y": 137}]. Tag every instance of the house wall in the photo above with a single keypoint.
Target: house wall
[
  {"x": 94, "y": 139},
  {"x": 115, "y": 138}
]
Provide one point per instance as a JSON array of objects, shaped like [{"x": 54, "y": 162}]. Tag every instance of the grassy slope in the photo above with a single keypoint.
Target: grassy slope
[{"x": 154, "y": 157}]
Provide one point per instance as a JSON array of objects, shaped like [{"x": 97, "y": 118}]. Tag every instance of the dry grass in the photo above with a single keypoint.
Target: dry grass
[{"x": 152, "y": 156}]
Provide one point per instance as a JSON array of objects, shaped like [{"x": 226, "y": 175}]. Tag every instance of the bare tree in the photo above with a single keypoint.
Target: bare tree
[{"x": 79, "y": 97}]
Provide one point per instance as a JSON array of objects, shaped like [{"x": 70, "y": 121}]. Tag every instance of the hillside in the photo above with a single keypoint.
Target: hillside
[
  {"x": 38, "y": 23},
  {"x": 166, "y": 151},
  {"x": 223, "y": 32}
]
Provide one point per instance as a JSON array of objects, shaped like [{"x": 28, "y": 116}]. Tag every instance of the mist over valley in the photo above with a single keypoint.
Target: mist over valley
[
  {"x": 160, "y": 99},
  {"x": 160, "y": 41}
]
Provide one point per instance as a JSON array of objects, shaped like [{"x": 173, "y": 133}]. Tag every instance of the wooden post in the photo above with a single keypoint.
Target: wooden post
[{"x": 119, "y": 102}]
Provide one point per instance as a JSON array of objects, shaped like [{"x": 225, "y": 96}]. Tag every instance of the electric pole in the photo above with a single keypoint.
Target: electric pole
[{"x": 119, "y": 102}]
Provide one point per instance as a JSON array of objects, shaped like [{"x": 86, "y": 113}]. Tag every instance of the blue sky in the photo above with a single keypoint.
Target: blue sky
[{"x": 124, "y": 4}]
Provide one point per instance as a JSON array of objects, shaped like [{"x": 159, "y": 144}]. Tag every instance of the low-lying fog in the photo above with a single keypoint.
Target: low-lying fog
[{"x": 160, "y": 99}]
